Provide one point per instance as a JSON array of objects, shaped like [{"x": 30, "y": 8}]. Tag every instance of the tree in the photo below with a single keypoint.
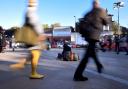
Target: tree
[
  {"x": 115, "y": 27},
  {"x": 55, "y": 25},
  {"x": 45, "y": 26}
]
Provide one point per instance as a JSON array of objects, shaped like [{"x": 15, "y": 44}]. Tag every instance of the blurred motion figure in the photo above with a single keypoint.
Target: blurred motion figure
[
  {"x": 91, "y": 29},
  {"x": 31, "y": 21}
]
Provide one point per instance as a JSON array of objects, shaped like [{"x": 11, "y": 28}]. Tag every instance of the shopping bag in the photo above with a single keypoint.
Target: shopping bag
[{"x": 26, "y": 35}]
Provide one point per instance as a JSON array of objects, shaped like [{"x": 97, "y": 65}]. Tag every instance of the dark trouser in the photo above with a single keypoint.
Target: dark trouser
[
  {"x": 89, "y": 53},
  {"x": 110, "y": 44},
  {"x": 1, "y": 49},
  {"x": 127, "y": 48},
  {"x": 117, "y": 48}
]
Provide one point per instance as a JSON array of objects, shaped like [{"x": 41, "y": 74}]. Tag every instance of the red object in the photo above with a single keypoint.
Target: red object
[{"x": 54, "y": 46}]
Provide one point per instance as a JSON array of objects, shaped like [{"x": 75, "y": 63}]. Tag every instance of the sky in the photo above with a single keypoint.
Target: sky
[{"x": 56, "y": 11}]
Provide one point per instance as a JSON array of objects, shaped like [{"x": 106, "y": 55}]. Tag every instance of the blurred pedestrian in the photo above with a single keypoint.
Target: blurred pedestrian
[
  {"x": 127, "y": 43},
  {"x": 31, "y": 22},
  {"x": 117, "y": 43},
  {"x": 109, "y": 43},
  {"x": 123, "y": 43},
  {"x": 94, "y": 21}
]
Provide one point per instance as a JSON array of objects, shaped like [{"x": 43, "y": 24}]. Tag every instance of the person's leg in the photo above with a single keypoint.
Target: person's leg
[
  {"x": 94, "y": 56},
  {"x": 127, "y": 49},
  {"x": 110, "y": 46},
  {"x": 22, "y": 62},
  {"x": 115, "y": 47},
  {"x": 118, "y": 48},
  {"x": 97, "y": 62},
  {"x": 78, "y": 76},
  {"x": 19, "y": 65},
  {"x": 34, "y": 63}
]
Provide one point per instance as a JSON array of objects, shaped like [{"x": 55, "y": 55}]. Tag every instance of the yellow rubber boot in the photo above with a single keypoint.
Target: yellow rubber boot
[
  {"x": 34, "y": 63},
  {"x": 19, "y": 65}
]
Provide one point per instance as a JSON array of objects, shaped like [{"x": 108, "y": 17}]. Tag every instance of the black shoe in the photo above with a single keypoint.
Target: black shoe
[
  {"x": 117, "y": 53},
  {"x": 82, "y": 78},
  {"x": 126, "y": 54},
  {"x": 100, "y": 69}
]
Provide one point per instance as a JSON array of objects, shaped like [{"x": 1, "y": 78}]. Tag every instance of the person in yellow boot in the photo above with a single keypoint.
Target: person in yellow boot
[
  {"x": 34, "y": 62},
  {"x": 19, "y": 65},
  {"x": 31, "y": 22}
]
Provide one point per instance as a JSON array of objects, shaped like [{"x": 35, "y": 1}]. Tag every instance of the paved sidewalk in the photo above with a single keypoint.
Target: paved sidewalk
[{"x": 58, "y": 75}]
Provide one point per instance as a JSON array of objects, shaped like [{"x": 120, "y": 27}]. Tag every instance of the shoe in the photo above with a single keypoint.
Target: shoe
[
  {"x": 100, "y": 69},
  {"x": 126, "y": 54},
  {"x": 36, "y": 76},
  {"x": 18, "y": 66},
  {"x": 117, "y": 53},
  {"x": 82, "y": 78}
]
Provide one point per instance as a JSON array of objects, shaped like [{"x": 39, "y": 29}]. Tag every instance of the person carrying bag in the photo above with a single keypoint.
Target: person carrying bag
[{"x": 33, "y": 36}]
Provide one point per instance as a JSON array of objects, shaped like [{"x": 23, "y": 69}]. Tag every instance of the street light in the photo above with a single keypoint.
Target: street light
[
  {"x": 118, "y": 5},
  {"x": 75, "y": 24},
  {"x": 75, "y": 30}
]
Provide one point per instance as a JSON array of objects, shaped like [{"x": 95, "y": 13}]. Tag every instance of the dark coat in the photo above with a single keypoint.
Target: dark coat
[
  {"x": 66, "y": 47},
  {"x": 95, "y": 19}
]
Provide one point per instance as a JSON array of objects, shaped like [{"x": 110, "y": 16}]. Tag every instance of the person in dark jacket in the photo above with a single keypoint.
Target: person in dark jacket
[
  {"x": 96, "y": 18},
  {"x": 109, "y": 43},
  {"x": 117, "y": 43},
  {"x": 66, "y": 51},
  {"x": 127, "y": 44}
]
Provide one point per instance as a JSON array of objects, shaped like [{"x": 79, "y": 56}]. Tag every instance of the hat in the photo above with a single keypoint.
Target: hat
[
  {"x": 95, "y": 1},
  {"x": 32, "y": 3}
]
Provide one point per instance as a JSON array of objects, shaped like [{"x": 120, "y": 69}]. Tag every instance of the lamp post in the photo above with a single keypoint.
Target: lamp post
[
  {"x": 75, "y": 24},
  {"x": 75, "y": 30},
  {"x": 118, "y": 5}
]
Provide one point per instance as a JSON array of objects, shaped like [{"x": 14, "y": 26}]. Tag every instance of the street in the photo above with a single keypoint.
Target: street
[{"x": 59, "y": 74}]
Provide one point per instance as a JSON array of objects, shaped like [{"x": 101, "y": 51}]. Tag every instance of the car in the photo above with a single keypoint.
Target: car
[{"x": 59, "y": 45}]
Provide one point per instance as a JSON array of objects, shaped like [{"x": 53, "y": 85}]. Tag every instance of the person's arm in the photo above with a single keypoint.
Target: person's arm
[
  {"x": 32, "y": 20},
  {"x": 104, "y": 17}
]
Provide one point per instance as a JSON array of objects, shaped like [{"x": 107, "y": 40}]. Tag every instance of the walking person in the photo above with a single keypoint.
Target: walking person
[
  {"x": 109, "y": 43},
  {"x": 127, "y": 43},
  {"x": 95, "y": 19},
  {"x": 117, "y": 43},
  {"x": 123, "y": 43},
  {"x": 31, "y": 23}
]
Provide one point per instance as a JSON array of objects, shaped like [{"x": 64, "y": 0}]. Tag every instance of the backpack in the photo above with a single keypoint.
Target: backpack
[
  {"x": 83, "y": 28},
  {"x": 87, "y": 25}
]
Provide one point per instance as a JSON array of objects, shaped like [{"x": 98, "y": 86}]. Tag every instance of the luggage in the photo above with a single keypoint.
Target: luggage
[{"x": 68, "y": 56}]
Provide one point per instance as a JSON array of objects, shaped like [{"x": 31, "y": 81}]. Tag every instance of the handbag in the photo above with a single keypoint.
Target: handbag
[{"x": 26, "y": 35}]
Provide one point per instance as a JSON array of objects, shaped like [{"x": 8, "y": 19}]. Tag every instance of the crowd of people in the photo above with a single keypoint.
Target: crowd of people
[{"x": 117, "y": 43}]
